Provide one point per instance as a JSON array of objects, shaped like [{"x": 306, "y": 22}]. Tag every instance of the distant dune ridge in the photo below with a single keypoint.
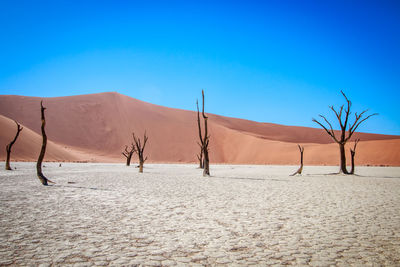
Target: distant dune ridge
[{"x": 97, "y": 127}]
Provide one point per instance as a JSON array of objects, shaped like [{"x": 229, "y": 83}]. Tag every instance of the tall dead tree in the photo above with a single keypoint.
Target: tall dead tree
[
  {"x": 301, "y": 161},
  {"x": 204, "y": 139},
  {"x": 139, "y": 149},
  {"x": 353, "y": 153},
  {"x": 40, "y": 175},
  {"x": 9, "y": 146},
  {"x": 128, "y": 153},
  {"x": 345, "y": 126}
]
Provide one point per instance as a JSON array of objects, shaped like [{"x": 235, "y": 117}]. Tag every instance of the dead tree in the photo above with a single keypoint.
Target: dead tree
[
  {"x": 9, "y": 146},
  {"x": 40, "y": 175},
  {"x": 139, "y": 149},
  {"x": 204, "y": 140},
  {"x": 345, "y": 126},
  {"x": 128, "y": 154},
  {"x": 353, "y": 153},
  {"x": 301, "y": 161}
]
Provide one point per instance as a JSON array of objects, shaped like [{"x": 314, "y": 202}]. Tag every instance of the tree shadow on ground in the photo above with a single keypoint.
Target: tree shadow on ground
[
  {"x": 248, "y": 178},
  {"x": 81, "y": 187}
]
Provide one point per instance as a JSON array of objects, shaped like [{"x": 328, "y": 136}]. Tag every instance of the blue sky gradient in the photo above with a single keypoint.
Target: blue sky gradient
[{"x": 269, "y": 61}]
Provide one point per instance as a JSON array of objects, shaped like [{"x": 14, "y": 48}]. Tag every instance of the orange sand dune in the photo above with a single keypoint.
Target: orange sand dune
[
  {"x": 96, "y": 128},
  {"x": 28, "y": 144}
]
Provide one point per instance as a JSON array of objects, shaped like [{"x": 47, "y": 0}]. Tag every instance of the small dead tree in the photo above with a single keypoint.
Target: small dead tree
[
  {"x": 139, "y": 149},
  {"x": 345, "y": 126},
  {"x": 128, "y": 153},
  {"x": 40, "y": 175},
  {"x": 204, "y": 140},
  {"x": 9, "y": 146},
  {"x": 353, "y": 153},
  {"x": 301, "y": 161}
]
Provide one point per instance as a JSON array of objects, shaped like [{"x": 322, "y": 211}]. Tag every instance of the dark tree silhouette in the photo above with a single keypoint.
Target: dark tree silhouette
[
  {"x": 40, "y": 175},
  {"x": 301, "y": 161},
  {"x": 128, "y": 153},
  {"x": 139, "y": 149},
  {"x": 9, "y": 146},
  {"x": 345, "y": 126},
  {"x": 353, "y": 153},
  {"x": 204, "y": 139}
]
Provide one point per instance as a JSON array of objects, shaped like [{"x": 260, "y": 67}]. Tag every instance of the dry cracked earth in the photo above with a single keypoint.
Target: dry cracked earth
[{"x": 109, "y": 214}]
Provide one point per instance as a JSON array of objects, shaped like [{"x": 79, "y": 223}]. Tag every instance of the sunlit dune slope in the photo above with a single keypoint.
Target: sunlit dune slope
[{"x": 96, "y": 127}]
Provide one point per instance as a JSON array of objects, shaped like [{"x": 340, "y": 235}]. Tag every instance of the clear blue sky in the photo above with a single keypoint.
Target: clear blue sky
[{"x": 269, "y": 61}]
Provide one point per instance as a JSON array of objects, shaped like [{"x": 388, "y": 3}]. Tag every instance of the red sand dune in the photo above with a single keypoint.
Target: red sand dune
[{"x": 96, "y": 128}]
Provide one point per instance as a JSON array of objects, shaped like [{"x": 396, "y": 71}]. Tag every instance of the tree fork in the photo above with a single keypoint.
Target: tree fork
[{"x": 9, "y": 146}]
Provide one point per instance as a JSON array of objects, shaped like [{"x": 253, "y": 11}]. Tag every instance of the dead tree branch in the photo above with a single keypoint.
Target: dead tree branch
[{"x": 9, "y": 146}]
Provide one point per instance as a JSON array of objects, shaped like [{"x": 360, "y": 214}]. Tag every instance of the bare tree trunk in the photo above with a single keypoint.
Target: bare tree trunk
[
  {"x": 128, "y": 160},
  {"x": 352, "y": 163},
  {"x": 343, "y": 168},
  {"x": 141, "y": 166},
  {"x": 9, "y": 146},
  {"x": 40, "y": 175},
  {"x": 205, "y": 142},
  {"x": 204, "y": 160},
  {"x": 140, "y": 149},
  {"x": 353, "y": 153},
  {"x": 8, "y": 167},
  {"x": 301, "y": 161},
  {"x": 206, "y": 170}
]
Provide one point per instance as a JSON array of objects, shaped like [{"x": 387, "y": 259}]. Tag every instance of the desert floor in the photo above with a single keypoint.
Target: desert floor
[{"x": 102, "y": 214}]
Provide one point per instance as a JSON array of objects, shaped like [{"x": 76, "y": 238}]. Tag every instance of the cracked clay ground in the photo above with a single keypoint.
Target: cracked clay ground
[{"x": 108, "y": 214}]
